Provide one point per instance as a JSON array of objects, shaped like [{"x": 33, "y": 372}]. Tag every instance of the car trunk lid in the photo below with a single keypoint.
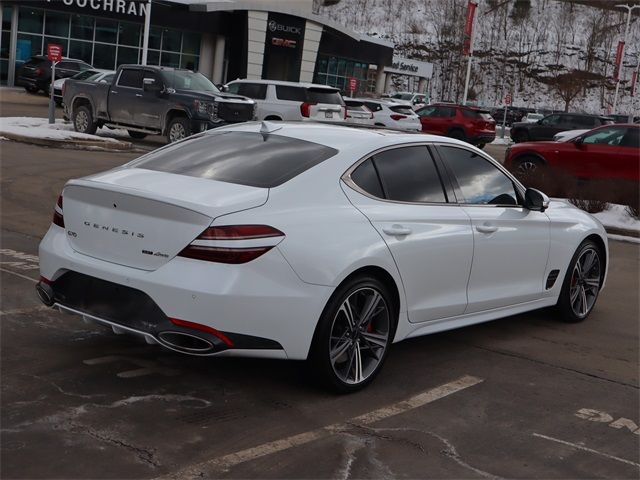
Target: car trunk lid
[{"x": 142, "y": 218}]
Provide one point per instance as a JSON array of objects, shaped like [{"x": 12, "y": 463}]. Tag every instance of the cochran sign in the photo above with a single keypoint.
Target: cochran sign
[{"x": 125, "y": 7}]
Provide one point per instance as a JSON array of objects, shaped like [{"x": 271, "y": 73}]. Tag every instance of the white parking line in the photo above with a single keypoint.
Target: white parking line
[
  {"x": 586, "y": 449},
  {"x": 19, "y": 275},
  {"x": 227, "y": 461}
]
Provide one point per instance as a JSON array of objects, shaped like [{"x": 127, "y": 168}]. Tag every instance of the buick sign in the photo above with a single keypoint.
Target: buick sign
[{"x": 276, "y": 27}]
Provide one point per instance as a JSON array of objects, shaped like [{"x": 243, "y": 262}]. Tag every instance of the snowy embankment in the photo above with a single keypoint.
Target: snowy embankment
[
  {"x": 617, "y": 218},
  {"x": 61, "y": 131}
]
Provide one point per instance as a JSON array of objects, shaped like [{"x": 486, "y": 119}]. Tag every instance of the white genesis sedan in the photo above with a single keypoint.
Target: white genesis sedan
[{"x": 310, "y": 241}]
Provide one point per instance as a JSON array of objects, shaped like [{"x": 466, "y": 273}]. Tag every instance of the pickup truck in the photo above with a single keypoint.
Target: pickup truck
[{"x": 153, "y": 100}]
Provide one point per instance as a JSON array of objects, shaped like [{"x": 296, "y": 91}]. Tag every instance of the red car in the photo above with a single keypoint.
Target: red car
[
  {"x": 457, "y": 121},
  {"x": 606, "y": 152}
]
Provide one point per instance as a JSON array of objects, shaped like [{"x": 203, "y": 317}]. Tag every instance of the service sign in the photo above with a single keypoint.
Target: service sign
[
  {"x": 54, "y": 52},
  {"x": 408, "y": 66}
]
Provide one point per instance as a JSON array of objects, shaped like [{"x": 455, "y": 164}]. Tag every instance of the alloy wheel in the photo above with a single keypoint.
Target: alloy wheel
[
  {"x": 177, "y": 132},
  {"x": 82, "y": 121},
  {"x": 359, "y": 335},
  {"x": 585, "y": 282}
]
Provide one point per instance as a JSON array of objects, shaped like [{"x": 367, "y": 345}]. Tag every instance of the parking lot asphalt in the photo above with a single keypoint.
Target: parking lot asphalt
[{"x": 522, "y": 397}]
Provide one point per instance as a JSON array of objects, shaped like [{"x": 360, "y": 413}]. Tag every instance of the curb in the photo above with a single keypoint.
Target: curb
[{"x": 76, "y": 144}]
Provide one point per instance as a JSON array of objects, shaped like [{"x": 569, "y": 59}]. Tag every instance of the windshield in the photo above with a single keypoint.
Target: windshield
[
  {"x": 186, "y": 80},
  {"x": 403, "y": 96},
  {"x": 84, "y": 75}
]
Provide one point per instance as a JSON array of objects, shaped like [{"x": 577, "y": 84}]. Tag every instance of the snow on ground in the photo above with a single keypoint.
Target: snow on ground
[
  {"x": 61, "y": 130},
  {"x": 616, "y": 216}
]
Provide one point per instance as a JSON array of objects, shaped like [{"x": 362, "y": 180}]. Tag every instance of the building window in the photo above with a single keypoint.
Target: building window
[
  {"x": 101, "y": 42},
  {"x": 336, "y": 71},
  {"x": 5, "y": 42}
]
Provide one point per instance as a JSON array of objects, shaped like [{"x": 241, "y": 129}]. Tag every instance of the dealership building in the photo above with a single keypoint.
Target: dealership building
[{"x": 222, "y": 39}]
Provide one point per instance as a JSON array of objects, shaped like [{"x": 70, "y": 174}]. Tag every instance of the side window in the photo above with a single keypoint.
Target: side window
[
  {"x": 256, "y": 91},
  {"x": 366, "y": 177},
  {"x": 551, "y": 120},
  {"x": 428, "y": 112},
  {"x": 156, "y": 77},
  {"x": 68, "y": 66},
  {"x": 631, "y": 138},
  {"x": 130, "y": 78},
  {"x": 297, "y": 94},
  {"x": 480, "y": 182},
  {"x": 446, "y": 112},
  {"x": 374, "y": 107},
  {"x": 233, "y": 88},
  {"x": 605, "y": 136},
  {"x": 408, "y": 174}
]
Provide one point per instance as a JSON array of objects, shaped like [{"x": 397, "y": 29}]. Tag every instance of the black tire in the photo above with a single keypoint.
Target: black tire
[
  {"x": 83, "y": 121},
  {"x": 31, "y": 90},
  {"x": 273, "y": 119},
  {"x": 520, "y": 136},
  {"x": 178, "y": 128},
  {"x": 570, "y": 309},
  {"x": 137, "y": 135},
  {"x": 380, "y": 125},
  {"x": 457, "y": 134},
  {"x": 372, "y": 356}
]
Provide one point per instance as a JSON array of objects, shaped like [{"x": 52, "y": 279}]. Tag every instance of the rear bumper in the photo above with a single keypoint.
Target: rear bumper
[
  {"x": 31, "y": 82},
  {"x": 483, "y": 138},
  {"x": 262, "y": 307}
]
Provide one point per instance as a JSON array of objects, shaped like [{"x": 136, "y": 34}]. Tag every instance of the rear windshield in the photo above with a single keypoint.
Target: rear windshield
[
  {"x": 477, "y": 114},
  {"x": 324, "y": 95},
  {"x": 404, "y": 110},
  {"x": 244, "y": 158}
]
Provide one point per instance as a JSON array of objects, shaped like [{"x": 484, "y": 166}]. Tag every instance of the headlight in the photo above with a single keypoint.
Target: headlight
[{"x": 203, "y": 108}]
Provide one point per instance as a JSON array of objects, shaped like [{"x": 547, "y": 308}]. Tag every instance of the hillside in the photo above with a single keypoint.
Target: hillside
[{"x": 520, "y": 46}]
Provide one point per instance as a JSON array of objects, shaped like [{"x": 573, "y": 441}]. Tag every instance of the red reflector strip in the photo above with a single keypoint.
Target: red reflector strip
[
  {"x": 202, "y": 328},
  {"x": 223, "y": 255},
  {"x": 45, "y": 280}
]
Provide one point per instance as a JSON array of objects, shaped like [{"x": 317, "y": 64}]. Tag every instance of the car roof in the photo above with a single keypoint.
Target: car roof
[
  {"x": 283, "y": 83},
  {"x": 389, "y": 102}
]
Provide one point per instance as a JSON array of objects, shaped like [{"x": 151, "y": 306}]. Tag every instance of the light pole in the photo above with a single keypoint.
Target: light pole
[
  {"x": 145, "y": 38},
  {"x": 624, "y": 44}
]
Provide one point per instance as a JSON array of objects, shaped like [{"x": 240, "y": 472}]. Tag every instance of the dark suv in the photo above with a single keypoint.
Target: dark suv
[
  {"x": 546, "y": 128},
  {"x": 469, "y": 124},
  {"x": 35, "y": 73}
]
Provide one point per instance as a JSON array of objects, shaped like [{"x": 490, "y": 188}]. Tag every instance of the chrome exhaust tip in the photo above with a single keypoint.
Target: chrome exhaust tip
[
  {"x": 45, "y": 293},
  {"x": 185, "y": 342}
]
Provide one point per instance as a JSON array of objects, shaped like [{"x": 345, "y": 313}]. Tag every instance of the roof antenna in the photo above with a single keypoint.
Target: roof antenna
[{"x": 268, "y": 127}]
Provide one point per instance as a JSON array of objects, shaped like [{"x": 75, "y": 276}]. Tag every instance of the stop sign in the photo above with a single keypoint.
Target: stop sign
[
  {"x": 54, "y": 52},
  {"x": 353, "y": 84},
  {"x": 507, "y": 99}
]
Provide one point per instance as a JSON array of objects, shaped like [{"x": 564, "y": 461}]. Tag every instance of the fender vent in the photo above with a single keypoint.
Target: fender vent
[{"x": 551, "y": 279}]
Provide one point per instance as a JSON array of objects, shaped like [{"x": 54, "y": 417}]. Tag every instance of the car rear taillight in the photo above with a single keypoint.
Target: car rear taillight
[
  {"x": 58, "y": 217},
  {"x": 305, "y": 109},
  {"x": 222, "y": 244},
  {"x": 39, "y": 72},
  {"x": 398, "y": 117}
]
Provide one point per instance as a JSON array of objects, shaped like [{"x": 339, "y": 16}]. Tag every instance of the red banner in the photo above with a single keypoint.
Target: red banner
[
  {"x": 634, "y": 80},
  {"x": 468, "y": 28},
  {"x": 619, "y": 51}
]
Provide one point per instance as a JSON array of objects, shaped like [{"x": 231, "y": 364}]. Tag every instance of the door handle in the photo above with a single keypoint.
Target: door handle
[
  {"x": 114, "y": 92},
  {"x": 396, "y": 230},
  {"x": 486, "y": 228},
  {"x": 138, "y": 95}
]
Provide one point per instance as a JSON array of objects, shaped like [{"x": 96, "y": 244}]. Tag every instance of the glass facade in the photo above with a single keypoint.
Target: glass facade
[
  {"x": 336, "y": 71},
  {"x": 99, "y": 41},
  {"x": 5, "y": 44}
]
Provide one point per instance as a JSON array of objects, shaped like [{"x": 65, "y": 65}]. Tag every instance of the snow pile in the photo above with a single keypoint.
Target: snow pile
[
  {"x": 616, "y": 216},
  {"x": 61, "y": 130}
]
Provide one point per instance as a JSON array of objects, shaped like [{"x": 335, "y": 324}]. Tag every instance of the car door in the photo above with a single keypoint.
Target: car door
[
  {"x": 511, "y": 243},
  {"x": 148, "y": 108},
  {"x": 429, "y": 119},
  {"x": 546, "y": 128},
  {"x": 401, "y": 192},
  {"x": 124, "y": 95},
  {"x": 598, "y": 154},
  {"x": 626, "y": 162}
]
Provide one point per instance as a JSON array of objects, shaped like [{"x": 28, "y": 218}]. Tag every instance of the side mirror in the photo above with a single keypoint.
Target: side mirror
[
  {"x": 535, "y": 200},
  {"x": 579, "y": 142},
  {"x": 149, "y": 85}
]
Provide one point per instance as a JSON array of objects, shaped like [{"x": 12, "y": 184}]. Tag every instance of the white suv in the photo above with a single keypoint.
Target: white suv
[
  {"x": 291, "y": 101},
  {"x": 416, "y": 100},
  {"x": 390, "y": 114}
]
